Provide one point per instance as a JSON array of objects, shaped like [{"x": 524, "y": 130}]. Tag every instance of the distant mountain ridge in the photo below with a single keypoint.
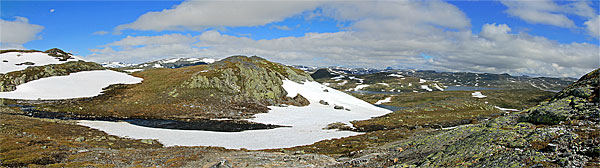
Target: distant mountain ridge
[{"x": 163, "y": 63}]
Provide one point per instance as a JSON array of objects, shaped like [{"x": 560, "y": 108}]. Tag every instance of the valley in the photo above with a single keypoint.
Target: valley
[{"x": 247, "y": 111}]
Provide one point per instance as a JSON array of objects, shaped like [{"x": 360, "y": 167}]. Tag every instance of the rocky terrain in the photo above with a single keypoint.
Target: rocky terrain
[
  {"x": 504, "y": 81},
  {"x": 551, "y": 134},
  {"x": 512, "y": 127},
  {"x": 381, "y": 82},
  {"x": 455, "y": 80},
  {"x": 234, "y": 88}
]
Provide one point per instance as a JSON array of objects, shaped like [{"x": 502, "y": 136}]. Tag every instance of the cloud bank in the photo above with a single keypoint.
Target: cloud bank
[
  {"x": 13, "y": 34},
  {"x": 381, "y": 34}
]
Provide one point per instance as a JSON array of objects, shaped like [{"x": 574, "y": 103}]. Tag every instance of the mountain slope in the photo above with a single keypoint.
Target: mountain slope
[
  {"x": 561, "y": 132},
  {"x": 21, "y": 66},
  {"x": 235, "y": 87}
]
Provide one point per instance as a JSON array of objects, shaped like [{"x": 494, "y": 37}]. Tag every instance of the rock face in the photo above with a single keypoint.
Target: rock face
[
  {"x": 577, "y": 101},
  {"x": 249, "y": 79},
  {"x": 58, "y": 53},
  {"x": 322, "y": 73},
  {"x": 9, "y": 81}
]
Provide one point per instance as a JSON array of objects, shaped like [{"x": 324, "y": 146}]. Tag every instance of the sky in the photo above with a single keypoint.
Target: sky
[{"x": 535, "y": 37}]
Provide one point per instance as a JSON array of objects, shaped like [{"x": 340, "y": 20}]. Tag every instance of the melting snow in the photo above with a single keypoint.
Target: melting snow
[
  {"x": 384, "y": 84},
  {"x": 39, "y": 58},
  {"x": 478, "y": 95},
  {"x": 355, "y": 78},
  {"x": 396, "y": 75},
  {"x": 75, "y": 85},
  {"x": 358, "y": 87},
  {"x": 386, "y": 100},
  {"x": 426, "y": 88},
  {"x": 438, "y": 87},
  {"x": 306, "y": 123},
  {"x": 422, "y": 81},
  {"x": 133, "y": 70},
  {"x": 338, "y": 77},
  {"x": 506, "y": 109}
]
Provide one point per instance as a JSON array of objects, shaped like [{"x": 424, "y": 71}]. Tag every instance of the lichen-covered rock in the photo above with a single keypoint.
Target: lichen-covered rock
[
  {"x": 578, "y": 101},
  {"x": 338, "y": 126},
  {"x": 301, "y": 100},
  {"x": 58, "y": 53},
  {"x": 250, "y": 79},
  {"x": 567, "y": 136}
]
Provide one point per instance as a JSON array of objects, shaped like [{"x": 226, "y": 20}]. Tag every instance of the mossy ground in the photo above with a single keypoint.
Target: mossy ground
[
  {"x": 25, "y": 140},
  {"x": 516, "y": 99}
]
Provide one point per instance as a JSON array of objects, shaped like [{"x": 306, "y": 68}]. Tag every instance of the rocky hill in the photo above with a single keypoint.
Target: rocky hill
[
  {"x": 235, "y": 87},
  {"x": 28, "y": 65},
  {"x": 560, "y": 132}
]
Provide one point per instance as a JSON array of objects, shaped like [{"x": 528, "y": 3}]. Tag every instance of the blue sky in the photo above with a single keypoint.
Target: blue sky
[{"x": 382, "y": 34}]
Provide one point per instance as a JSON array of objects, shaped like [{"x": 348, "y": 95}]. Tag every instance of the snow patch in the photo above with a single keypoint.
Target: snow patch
[
  {"x": 506, "y": 109},
  {"x": 386, "y": 100},
  {"x": 338, "y": 77},
  {"x": 422, "y": 81},
  {"x": 306, "y": 121},
  {"x": 384, "y": 84},
  {"x": 438, "y": 87},
  {"x": 358, "y": 87},
  {"x": 355, "y": 78},
  {"x": 396, "y": 75},
  {"x": 75, "y": 85},
  {"x": 478, "y": 95},
  {"x": 9, "y": 60},
  {"x": 133, "y": 70},
  {"x": 426, "y": 88}
]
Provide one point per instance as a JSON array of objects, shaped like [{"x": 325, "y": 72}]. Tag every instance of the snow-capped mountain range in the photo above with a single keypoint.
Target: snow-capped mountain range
[{"x": 163, "y": 63}]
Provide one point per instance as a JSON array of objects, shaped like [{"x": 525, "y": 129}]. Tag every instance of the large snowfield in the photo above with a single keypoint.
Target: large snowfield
[
  {"x": 306, "y": 123},
  {"x": 9, "y": 60},
  {"x": 75, "y": 85}
]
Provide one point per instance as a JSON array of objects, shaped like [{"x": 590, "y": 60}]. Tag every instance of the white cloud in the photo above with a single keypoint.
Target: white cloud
[
  {"x": 153, "y": 40},
  {"x": 13, "y": 34},
  {"x": 198, "y": 15},
  {"x": 281, "y": 27},
  {"x": 548, "y": 12},
  {"x": 101, "y": 32},
  {"x": 381, "y": 36},
  {"x": 145, "y": 48},
  {"x": 51, "y": 10},
  {"x": 593, "y": 26},
  {"x": 495, "y": 32}
]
